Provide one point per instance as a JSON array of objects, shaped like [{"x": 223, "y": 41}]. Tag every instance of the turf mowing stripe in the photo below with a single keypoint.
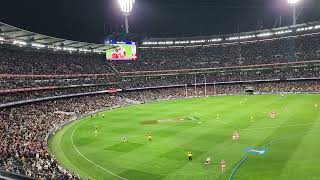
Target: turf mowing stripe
[
  {"x": 306, "y": 155},
  {"x": 276, "y": 141},
  {"x": 275, "y": 127},
  {"x": 237, "y": 167},
  {"x": 232, "y": 107},
  {"x": 280, "y": 140},
  {"x": 89, "y": 159},
  {"x": 285, "y": 139}
]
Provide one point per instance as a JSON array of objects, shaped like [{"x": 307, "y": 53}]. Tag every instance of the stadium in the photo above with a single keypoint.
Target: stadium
[{"x": 241, "y": 105}]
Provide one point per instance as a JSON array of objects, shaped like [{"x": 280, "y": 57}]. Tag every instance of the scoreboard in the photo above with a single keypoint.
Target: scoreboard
[{"x": 122, "y": 51}]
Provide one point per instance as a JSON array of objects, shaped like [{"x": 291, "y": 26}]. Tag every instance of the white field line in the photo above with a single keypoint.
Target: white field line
[
  {"x": 220, "y": 121},
  {"x": 90, "y": 160}
]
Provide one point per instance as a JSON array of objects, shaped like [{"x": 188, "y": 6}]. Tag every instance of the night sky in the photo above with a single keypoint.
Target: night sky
[{"x": 92, "y": 20}]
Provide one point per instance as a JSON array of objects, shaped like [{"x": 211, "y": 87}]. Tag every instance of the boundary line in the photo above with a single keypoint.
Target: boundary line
[
  {"x": 91, "y": 160},
  {"x": 237, "y": 167}
]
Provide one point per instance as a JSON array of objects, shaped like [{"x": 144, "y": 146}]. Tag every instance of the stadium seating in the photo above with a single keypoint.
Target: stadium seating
[
  {"x": 303, "y": 48},
  {"x": 15, "y": 60}
]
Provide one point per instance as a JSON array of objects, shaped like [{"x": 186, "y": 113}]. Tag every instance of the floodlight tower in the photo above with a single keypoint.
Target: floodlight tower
[
  {"x": 126, "y": 8},
  {"x": 294, "y": 4}
]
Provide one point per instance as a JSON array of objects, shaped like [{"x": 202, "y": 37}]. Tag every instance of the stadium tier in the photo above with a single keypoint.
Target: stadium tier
[
  {"x": 282, "y": 50},
  {"x": 271, "y": 51},
  {"x": 33, "y": 61},
  {"x": 69, "y": 81}
]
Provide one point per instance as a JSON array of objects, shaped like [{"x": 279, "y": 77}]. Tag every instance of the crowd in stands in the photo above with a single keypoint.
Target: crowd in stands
[
  {"x": 27, "y": 61},
  {"x": 23, "y": 131},
  {"x": 21, "y": 82},
  {"x": 31, "y": 61},
  {"x": 218, "y": 76},
  {"x": 78, "y": 85},
  {"x": 162, "y": 80},
  {"x": 259, "y": 87},
  {"x": 15, "y": 60},
  {"x": 294, "y": 49},
  {"x": 28, "y": 95},
  {"x": 223, "y": 89}
]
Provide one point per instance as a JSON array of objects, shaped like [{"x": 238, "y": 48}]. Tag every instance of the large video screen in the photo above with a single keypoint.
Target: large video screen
[{"x": 122, "y": 51}]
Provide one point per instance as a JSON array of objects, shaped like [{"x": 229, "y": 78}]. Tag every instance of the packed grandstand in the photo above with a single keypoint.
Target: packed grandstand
[{"x": 42, "y": 87}]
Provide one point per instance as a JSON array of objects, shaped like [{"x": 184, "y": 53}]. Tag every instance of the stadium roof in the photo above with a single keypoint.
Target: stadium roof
[
  {"x": 310, "y": 27},
  {"x": 11, "y": 34}
]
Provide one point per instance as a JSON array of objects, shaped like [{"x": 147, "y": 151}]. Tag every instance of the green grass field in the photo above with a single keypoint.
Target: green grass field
[{"x": 292, "y": 139}]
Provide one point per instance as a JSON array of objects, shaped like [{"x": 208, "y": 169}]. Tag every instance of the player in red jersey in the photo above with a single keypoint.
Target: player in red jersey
[
  {"x": 115, "y": 54},
  {"x": 122, "y": 53}
]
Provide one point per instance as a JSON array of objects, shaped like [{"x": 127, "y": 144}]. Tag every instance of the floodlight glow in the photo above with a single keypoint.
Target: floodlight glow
[
  {"x": 150, "y": 43},
  {"x": 37, "y": 45},
  {"x": 294, "y": 4},
  {"x": 181, "y": 42},
  {"x": 69, "y": 49},
  {"x": 306, "y": 28},
  {"x": 126, "y": 8},
  {"x": 126, "y": 5},
  {"x": 197, "y": 41},
  {"x": 283, "y": 32},
  {"x": 84, "y": 50},
  {"x": 21, "y": 43},
  {"x": 233, "y": 38},
  {"x": 98, "y": 51},
  {"x": 264, "y": 34},
  {"x": 215, "y": 40},
  {"x": 293, "y": 1}
]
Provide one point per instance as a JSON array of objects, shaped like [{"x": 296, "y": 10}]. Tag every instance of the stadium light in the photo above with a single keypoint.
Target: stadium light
[
  {"x": 294, "y": 4},
  {"x": 126, "y": 8},
  {"x": 293, "y": 1},
  {"x": 37, "y": 45},
  {"x": 20, "y": 43}
]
